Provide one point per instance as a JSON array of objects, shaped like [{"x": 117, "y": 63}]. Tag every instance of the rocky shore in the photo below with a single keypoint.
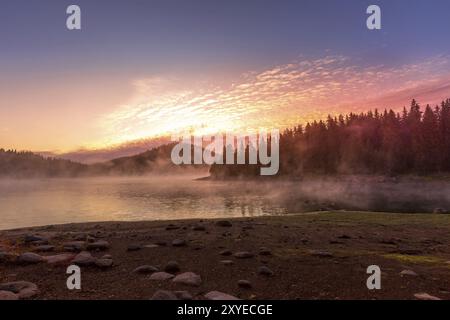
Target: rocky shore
[{"x": 310, "y": 256}]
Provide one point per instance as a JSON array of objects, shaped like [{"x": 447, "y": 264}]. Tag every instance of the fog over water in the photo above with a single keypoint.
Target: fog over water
[{"x": 26, "y": 203}]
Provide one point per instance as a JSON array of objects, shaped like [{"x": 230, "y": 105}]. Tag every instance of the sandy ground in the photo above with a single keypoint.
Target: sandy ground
[{"x": 312, "y": 256}]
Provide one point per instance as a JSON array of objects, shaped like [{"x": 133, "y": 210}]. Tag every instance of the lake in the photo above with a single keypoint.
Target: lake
[{"x": 25, "y": 203}]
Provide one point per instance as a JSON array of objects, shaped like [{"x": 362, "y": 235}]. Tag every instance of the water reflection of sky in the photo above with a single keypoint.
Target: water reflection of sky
[{"x": 31, "y": 203}]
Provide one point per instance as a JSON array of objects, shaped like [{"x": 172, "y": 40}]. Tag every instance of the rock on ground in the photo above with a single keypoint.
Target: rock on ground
[
  {"x": 44, "y": 248},
  {"x": 84, "y": 258},
  {"x": 425, "y": 296},
  {"x": 172, "y": 267},
  {"x": 134, "y": 247},
  {"x": 8, "y": 295},
  {"x": 146, "y": 269},
  {"x": 98, "y": 245},
  {"x": 189, "y": 279},
  {"x": 265, "y": 271},
  {"x": 30, "y": 258},
  {"x": 224, "y": 223},
  {"x": 23, "y": 289},
  {"x": 74, "y": 246},
  {"x": 408, "y": 273},
  {"x": 64, "y": 258},
  {"x": 227, "y": 262},
  {"x": 179, "y": 243},
  {"x": 184, "y": 295},
  {"x": 243, "y": 255},
  {"x": 104, "y": 263},
  {"x": 217, "y": 295},
  {"x": 161, "y": 276},
  {"x": 321, "y": 254},
  {"x": 164, "y": 295}
]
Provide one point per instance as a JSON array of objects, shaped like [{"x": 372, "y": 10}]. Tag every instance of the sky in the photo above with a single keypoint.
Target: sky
[{"x": 139, "y": 70}]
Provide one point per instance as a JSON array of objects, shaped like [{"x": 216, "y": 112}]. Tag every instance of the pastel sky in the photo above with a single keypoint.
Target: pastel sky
[{"x": 143, "y": 69}]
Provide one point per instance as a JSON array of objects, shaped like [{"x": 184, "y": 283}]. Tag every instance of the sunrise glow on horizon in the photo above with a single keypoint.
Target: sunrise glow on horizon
[{"x": 158, "y": 70}]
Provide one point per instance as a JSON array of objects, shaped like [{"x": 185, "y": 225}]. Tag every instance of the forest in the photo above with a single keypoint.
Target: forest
[{"x": 414, "y": 141}]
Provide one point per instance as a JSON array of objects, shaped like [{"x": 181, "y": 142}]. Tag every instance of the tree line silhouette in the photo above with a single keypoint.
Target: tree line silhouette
[
  {"x": 414, "y": 141},
  {"x": 25, "y": 164}
]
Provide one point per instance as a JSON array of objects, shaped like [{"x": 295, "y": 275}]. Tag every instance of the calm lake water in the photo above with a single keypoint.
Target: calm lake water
[{"x": 26, "y": 203}]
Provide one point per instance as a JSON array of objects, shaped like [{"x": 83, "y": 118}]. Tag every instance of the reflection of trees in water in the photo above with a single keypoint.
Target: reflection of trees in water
[{"x": 245, "y": 206}]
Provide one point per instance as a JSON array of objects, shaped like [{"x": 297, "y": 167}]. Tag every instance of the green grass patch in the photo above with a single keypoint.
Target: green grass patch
[{"x": 414, "y": 259}]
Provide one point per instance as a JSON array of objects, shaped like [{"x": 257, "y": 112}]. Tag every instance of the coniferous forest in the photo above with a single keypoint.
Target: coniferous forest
[{"x": 415, "y": 141}]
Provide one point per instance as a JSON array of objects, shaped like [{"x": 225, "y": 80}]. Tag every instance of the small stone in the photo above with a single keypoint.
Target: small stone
[
  {"x": 161, "y": 276},
  {"x": 104, "y": 263},
  {"x": 226, "y": 253},
  {"x": 30, "y": 258},
  {"x": 64, "y": 258},
  {"x": 74, "y": 246},
  {"x": 84, "y": 258},
  {"x": 107, "y": 256},
  {"x": 151, "y": 246},
  {"x": 425, "y": 296},
  {"x": 244, "y": 255},
  {"x": 217, "y": 295},
  {"x": 179, "y": 243},
  {"x": 8, "y": 295},
  {"x": 80, "y": 237},
  {"x": 40, "y": 243},
  {"x": 172, "y": 227},
  {"x": 184, "y": 295},
  {"x": 227, "y": 262},
  {"x": 264, "y": 271},
  {"x": 172, "y": 267},
  {"x": 321, "y": 254},
  {"x": 164, "y": 295},
  {"x": 98, "y": 245},
  {"x": 408, "y": 273},
  {"x": 189, "y": 279},
  {"x": 134, "y": 247},
  {"x": 264, "y": 252},
  {"x": 44, "y": 248},
  {"x": 344, "y": 236},
  {"x": 34, "y": 238},
  {"x": 223, "y": 223},
  {"x": 161, "y": 243},
  {"x": 198, "y": 228},
  {"x": 23, "y": 289},
  {"x": 146, "y": 269},
  {"x": 244, "y": 284}
]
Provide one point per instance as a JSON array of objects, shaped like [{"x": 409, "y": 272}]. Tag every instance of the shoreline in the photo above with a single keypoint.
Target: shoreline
[{"x": 318, "y": 255}]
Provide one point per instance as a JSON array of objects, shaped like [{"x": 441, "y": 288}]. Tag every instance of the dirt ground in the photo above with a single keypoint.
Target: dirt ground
[{"x": 312, "y": 256}]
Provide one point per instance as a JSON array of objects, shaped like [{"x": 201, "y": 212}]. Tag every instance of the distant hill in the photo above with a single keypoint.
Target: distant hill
[
  {"x": 157, "y": 160},
  {"x": 127, "y": 149},
  {"x": 16, "y": 164}
]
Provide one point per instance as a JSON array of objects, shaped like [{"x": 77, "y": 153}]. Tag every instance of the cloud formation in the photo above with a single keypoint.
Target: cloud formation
[{"x": 279, "y": 97}]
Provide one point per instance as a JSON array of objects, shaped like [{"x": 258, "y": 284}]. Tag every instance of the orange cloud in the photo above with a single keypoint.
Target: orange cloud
[{"x": 278, "y": 97}]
